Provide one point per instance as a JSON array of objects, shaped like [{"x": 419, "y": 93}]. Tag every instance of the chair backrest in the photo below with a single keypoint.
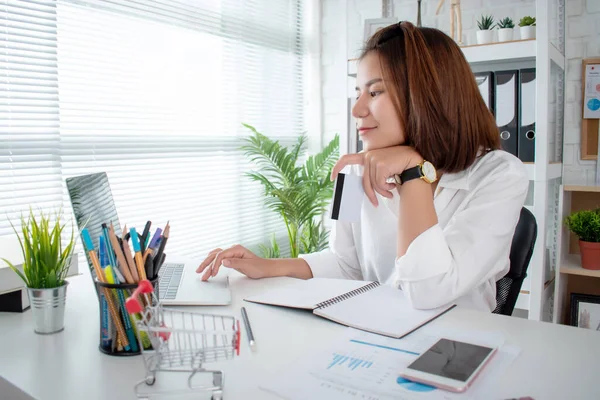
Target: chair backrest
[{"x": 508, "y": 288}]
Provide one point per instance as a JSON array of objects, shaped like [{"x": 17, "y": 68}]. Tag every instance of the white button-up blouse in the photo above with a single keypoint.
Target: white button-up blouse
[{"x": 458, "y": 260}]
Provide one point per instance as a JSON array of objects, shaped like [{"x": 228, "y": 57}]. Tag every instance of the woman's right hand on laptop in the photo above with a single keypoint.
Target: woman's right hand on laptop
[
  {"x": 237, "y": 257},
  {"x": 243, "y": 260}
]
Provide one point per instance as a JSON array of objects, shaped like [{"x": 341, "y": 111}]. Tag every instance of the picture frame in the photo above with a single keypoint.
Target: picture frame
[
  {"x": 375, "y": 24},
  {"x": 585, "y": 311}
]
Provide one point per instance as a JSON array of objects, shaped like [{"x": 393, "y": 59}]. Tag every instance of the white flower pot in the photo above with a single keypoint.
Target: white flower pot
[
  {"x": 527, "y": 32},
  {"x": 505, "y": 34},
  {"x": 485, "y": 37}
]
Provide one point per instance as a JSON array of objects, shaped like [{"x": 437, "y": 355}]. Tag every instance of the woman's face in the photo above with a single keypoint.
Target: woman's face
[{"x": 376, "y": 118}]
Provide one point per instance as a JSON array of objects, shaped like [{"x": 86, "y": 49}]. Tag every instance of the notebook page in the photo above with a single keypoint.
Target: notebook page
[
  {"x": 307, "y": 293},
  {"x": 383, "y": 310}
]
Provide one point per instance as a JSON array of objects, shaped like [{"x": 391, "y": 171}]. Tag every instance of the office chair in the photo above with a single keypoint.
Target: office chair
[{"x": 508, "y": 287}]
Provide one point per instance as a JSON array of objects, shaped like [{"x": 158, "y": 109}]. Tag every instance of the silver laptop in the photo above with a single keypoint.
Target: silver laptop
[{"x": 179, "y": 284}]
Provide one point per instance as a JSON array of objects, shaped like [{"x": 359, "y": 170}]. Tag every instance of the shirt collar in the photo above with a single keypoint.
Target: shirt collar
[
  {"x": 456, "y": 180},
  {"x": 460, "y": 180}
]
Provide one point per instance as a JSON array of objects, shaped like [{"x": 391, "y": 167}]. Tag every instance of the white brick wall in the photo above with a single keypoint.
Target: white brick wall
[
  {"x": 343, "y": 28},
  {"x": 583, "y": 41}
]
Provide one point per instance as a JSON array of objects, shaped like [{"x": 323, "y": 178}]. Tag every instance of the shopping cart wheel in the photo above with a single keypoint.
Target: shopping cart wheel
[
  {"x": 217, "y": 395},
  {"x": 150, "y": 380}
]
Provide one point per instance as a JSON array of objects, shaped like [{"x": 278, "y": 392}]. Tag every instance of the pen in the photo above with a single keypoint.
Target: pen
[
  {"x": 109, "y": 272},
  {"x": 145, "y": 233},
  {"x": 89, "y": 248},
  {"x": 161, "y": 248},
  {"x": 147, "y": 257},
  {"x": 135, "y": 241},
  {"x": 248, "y": 328}
]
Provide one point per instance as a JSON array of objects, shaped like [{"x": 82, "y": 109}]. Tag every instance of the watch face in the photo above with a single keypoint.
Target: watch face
[{"x": 429, "y": 171}]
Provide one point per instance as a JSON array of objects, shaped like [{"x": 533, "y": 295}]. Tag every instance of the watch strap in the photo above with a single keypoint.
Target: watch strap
[{"x": 410, "y": 174}]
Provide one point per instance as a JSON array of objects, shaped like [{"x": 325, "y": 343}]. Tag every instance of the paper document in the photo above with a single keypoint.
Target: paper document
[{"x": 365, "y": 366}]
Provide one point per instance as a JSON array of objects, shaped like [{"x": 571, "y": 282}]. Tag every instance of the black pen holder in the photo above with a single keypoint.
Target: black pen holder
[{"x": 119, "y": 335}]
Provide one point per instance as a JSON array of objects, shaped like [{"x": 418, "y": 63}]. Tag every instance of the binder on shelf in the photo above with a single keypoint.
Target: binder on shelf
[
  {"x": 485, "y": 82},
  {"x": 506, "y": 96},
  {"x": 526, "y": 141}
]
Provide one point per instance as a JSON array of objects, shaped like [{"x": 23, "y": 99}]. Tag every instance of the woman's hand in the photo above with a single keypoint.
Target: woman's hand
[
  {"x": 380, "y": 165},
  {"x": 237, "y": 257}
]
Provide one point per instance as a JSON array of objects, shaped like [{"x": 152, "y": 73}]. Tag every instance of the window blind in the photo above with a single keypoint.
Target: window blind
[
  {"x": 154, "y": 93},
  {"x": 29, "y": 111}
]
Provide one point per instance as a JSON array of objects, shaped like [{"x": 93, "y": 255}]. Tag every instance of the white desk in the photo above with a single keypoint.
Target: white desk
[{"x": 557, "y": 362}]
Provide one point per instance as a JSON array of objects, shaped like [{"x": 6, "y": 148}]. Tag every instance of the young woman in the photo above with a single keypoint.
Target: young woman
[{"x": 442, "y": 231}]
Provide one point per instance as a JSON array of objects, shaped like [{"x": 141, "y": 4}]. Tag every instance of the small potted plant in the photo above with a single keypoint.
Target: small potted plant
[
  {"x": 485, "y": 34},
  {"x": 586, "y": 226},
  {"x": 505, "y": 29},
  {"x": 527, "y": 27},
  {"x": 45, "y": 265}
]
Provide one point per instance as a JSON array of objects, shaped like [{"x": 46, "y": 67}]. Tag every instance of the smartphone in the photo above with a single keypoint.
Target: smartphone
[{"x": 449, "y": 364}]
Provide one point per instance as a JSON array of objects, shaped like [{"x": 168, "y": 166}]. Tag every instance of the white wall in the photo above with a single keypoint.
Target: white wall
[
  {"x": 342, "y": 27},
  {"x": 583, "y": 41}
]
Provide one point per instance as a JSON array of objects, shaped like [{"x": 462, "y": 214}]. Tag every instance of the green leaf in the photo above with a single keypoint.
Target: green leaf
[
  {"x": 527, "y": 21},
  {"x": 585, "y": 225},
  {"x": 45, "y": 262},
  {"x": 298, "y": 193},
  {"x": 485, "y": 22}
]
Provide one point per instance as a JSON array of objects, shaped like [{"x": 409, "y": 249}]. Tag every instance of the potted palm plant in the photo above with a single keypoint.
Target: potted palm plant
[
  {"x": 485, "y": 34},
  {"x": 505, "y": 29},
  {"x": 585, "y": 225},
  {"x": 299, "y": 193},
  {"x": 527, "y": 27},
  {"x": 46, "y": 262}
]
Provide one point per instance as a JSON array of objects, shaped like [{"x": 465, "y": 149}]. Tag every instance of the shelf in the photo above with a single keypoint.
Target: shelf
[
  {"x": 517, "y": 50},
  {"x": 554, "y": 171},
  {"x": 582, "y": 188},
  {"x": 572, "y": 266}
]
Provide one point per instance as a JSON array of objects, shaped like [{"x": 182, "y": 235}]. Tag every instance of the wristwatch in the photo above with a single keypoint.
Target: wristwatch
[{"x": 425, "y": 170}]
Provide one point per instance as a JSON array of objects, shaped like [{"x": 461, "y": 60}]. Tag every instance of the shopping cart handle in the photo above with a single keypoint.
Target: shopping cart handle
[{"x": 132, "y": 304}]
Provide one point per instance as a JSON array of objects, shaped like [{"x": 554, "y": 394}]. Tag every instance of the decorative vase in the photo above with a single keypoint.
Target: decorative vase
[
  {"x": 485, "y": 37},
  {"x": 527, "y": 32},
  {"x": 590, "y": 255},
  {"x": 48, "y": 308},
  {"x": 505, "y": 34}
]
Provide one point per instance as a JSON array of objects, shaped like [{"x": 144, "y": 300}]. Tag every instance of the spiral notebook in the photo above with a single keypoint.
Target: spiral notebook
[{"x": 368, "y": 306}]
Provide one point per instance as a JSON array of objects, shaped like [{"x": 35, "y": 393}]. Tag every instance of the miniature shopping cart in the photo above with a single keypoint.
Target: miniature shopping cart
[{"x": 181, "y": 341}]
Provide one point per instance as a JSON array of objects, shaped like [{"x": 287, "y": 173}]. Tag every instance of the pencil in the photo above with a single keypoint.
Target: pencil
[
  {"x": 129, "y": 257},
  {"x": 124, "y": 268},
  {"x": 89, "y": 247}
]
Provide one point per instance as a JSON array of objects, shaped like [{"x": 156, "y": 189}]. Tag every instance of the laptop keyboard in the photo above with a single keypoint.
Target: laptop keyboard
[{"x": 169, "y": 277}]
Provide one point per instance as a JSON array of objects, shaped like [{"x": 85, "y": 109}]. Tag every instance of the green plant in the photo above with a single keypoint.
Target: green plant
[
  {"x": 527, "y": 21},
  {"x": 298, "y": 193},
  {"x": 506, "y": 23},
  {"x": 485, "y": 23},
  {"x": 45, "y": 262},
  {"x": 585, "y": 225}
]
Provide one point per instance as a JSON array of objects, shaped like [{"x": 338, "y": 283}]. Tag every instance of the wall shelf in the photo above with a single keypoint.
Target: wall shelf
[
  {"x": 582, "y": 188},
  {"x": 516, "y": 50},
  {"x": 572, "y": 266},
  {"x": 553, "y": 171}
]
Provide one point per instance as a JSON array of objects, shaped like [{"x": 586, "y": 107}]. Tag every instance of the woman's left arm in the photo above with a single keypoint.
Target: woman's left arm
[{"x": 436, "y": 266}]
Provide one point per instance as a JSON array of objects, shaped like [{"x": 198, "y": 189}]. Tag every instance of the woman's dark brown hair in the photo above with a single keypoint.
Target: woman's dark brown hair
[{"x": 435, "y": 95}]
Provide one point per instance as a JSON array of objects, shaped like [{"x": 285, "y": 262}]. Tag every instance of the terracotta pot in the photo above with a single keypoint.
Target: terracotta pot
[{"x": 590, "y": 254}]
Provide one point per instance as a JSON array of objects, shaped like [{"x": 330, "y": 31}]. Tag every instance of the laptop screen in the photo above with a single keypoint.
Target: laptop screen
[{"x": 93, "y": 204}]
